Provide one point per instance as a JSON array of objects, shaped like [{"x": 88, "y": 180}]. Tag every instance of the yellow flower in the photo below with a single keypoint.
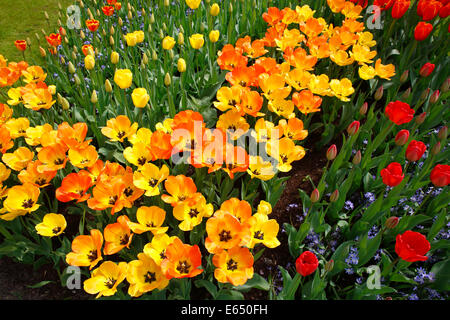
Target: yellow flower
[
  {"x": 342, "y": 88},
  {"x": 193, "y": 4},
  {"x": 89, "y": 62},
  {"x": 19, "y": 159},
  {"x": 264, "y": 207},
  {"x": 263, "y": 231},
  {"x": 341, "y": 58},
  {"x": 20, "y": 200},
  {"x": 123, "y": 78},
  {"x": 149, "y": 177},
  {"x": 145, "y": 275},
  {"x": 119, "y": 128},
  {"x": 139, "y": 154},
  {"x": 367, "y": 72},
  {"x": 362, "y": 54},
  {"x": 282, "y": 107},
  {"x": 52, "y": 225},
  {"x": 156, "y": 249},
  {"x": 260, "y": 169},
  {"x": 105, "y": 279},
  {"x": 15, "y": 96},
  {"x": 149, "y": 219},
  {"x": 215, "y": 10},
  {"x": 17, "y": 127},
  {"x": 366, "y": 39},
  {"x": 214, "y": 36},
  {"x": 114, "y": 57},
  {"x": 192, "y": 215},
  {"x": 285, "y": 151},
  {"x": 140, "y": 36},
  {"x": 131, "y": 39},
  {"x": 233, "y": 124},
  {"x": 4, "y": 173},
  {"x": 181, "y": 65},
  {"x": 197, "y": 41},
  {"x": 168, "y": 43},
  {"x": 140, "y": 97},
  {"x": 384, "y": 71}
]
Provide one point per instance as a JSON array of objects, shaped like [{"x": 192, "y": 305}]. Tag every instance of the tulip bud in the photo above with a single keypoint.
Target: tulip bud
[
  {"x": 391, "y": 222},
  {"x": 379, "y": 93},
  {"x": 114, "y": 57},
  {"x": 152, "y": 19},
  {"x": 108, "y": 86},
  {"x": 37, "y": 36},
  {"x": 353, "y": 128},
  {"x": 71, "y": 67},
  {"x": 181, "y": 65},
  {"x": 436, "y": 149},
  {"x": 144, "y": 58},
  {"x": 334, "y": 196},
  {"x": 402, "y": 137},
  {"x": 52, "y": 89},
  {"x": 434, "y": 97},
  {"x": 445, "y": 85},
  {"x": 421, "y": 118},
  {"x": 404, "y": 76},
  {"x": 64, "y": 103},
  {"x": 424, "y": 95},
  {"x": 442, "y": 134},
  {"x": 315, "y": 195},
  {"x": 46, "y": 15},
  {"x": 331, "y": 152},
  {"x": 82, "y": 35},
  {"x": 231, "y": 8},
  {"x": 171, "y": 54},
  {"x": 90, "y": 13},
  {"x": 202, "y": 27},
  {"x": 167, "y": 80},
  {"x": 406, "y": 94},
  {"x": 363, "y": 109},
  {"x": 329, "y": 266},
  {"x": 104, "y": 32},
  {"x": 62, "y": 31},
  {"x": 214, "y": 36},
  {"x": 154, "y": 55},
  {"x": 77, "y": 80},
  {"x": 215, "y": 10},
  {"x": 42, "y": 52},
  {"x": 130, "y": 15},
  {"x": 120, "y": 21},
  {"x": 94, "y": 98},
  {"x": 111, "y": 30},
  {"x": 180, "y": 39},
  {"x": 426, "y": 69},
  {"x": 111, "y": 40},
  {"x": 89, "y": 62},
  {"x": 150, "y": 29},
  {"x": 166, "y": 3},
  {"x": 164, "y": 26},
  {"x": 357, "y": 158}
]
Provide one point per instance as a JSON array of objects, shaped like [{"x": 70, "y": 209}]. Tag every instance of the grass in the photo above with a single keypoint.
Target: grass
[{"x": 22, "y": 19}]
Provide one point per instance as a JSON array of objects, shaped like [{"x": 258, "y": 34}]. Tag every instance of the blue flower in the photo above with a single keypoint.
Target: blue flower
[{"x": 348, "y": 205}]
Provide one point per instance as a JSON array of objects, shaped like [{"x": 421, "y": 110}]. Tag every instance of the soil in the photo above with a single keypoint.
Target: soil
[{"x": 15, "y": 278}]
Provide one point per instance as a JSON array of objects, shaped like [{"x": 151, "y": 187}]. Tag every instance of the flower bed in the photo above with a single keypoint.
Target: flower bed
[{"x": 241, "y": 150}]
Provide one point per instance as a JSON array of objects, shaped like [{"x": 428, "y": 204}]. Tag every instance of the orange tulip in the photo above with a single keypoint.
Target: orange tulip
[
  {"x": 180, "y": 189},
  {"x": 86, "y": 250},
  {"x": 21, "y": 45},
  {"x": 117, "y": 236},
  {"x": 182, "y": 260},
  {"x": 234, "y": 266},
  {"x": 74, "y": 187}
]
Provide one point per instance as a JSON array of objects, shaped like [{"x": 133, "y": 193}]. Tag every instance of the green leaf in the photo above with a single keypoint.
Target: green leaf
[
  {"x": 441, "y": 271},
  {"x": 230, "y": 295},
  {"x": 398, "y": 277},
  {"x": 438, "y": 224},
  {"x": 257, "y": 282},
  {"x": 208, "y": 285},
  {"x": 39, "y": 284},
  {"x": 368, "y": 248}
]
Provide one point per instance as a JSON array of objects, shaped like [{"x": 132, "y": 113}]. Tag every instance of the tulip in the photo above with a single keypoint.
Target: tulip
[
  {"x": 445, "y": 85},
  {"x": 363, "y": 109},
  {"x": 215, "y": 10},
  {"x": 89, "y": 62},
  {"x": 108, "y": 86},
  {"x": 181, "y": 65},
  {"x": 357, "y": 158},
  {"x": 442, "y": 134},
  {"x": 315, "y": 195},
  {"x": 353, "y": 128},
  {"x": 123, "y": 78},
  {"x": 114, "y": 57},
  {"x": 392, "y": 175},
  {"x": 379, "y": 93},
  {"x": 131, "y": 39},
  {"x": 329, "y": 265},
  {"x": 140, "y": 97},
  {"x": 21, "y": 45},
  {"x": 426, "y": 69},
  {"x": 197, "y": 41},
  {"x": 214, "y": 36},
  {"x": 167, "y": 80},
  {"x": 399, "y": 8},
  {"x": 421, "y": 118},
  {"x": 436, "y": 149},
  {"x": 391, "y": 222},
  {"x": 168, "y": 43},
  {"x": 193, "y": 4},
  {"x": 94, "y": 98},
  {"x": 331, "y": 152},
  {"x": 415, "y": 150},
  {"x": 180, "y": 39},
  {"x": 334, "y": 196},
  {"x": 406, "y": 94},
  {"x": 402, "y": 137},
  {"x": 440, "y": 175},
  {"x": 422, "y": 30},
  {"x": 404, "y": 76},
  {"x": 434, "y": 97}
]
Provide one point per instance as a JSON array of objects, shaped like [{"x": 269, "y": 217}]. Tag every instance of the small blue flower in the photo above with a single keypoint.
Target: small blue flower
[{"x": 348, "y": 205}]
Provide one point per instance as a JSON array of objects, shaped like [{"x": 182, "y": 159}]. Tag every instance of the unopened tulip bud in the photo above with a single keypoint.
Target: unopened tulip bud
[
  {"x": 215, "y": 10},
  {"x": 230, "y": 8},
  {"x": 436, "y": 149},
  {"x": 46, "y": 15},
  {"x": 329, "y": 266},
  {"x": 154, "y": 55},
  {"x": 442, "y": 134},
  {"x": 62, "y": 31},
  {"x": 37, "y": 36},
  {"x": 152, "y": 19},
  {"x": 424, "y": 95},
  {"x": 130, "y": 15},
  {"x": 164, "y": 26},
  {"x": 402, "y": 137},
  {"x": 404, "y": 76},
  {"x": 42, "y": 52},
  {"x": 363, "y": 109},
  {"x": 43, "y": 31},
  {"x": 64, "y": 103},
  {"x": 94, "y": 98},
  {"x": 391, "y": 222},
  {"x": 202, "y": 27},
  {"x": 445, "y": 85},
  {"x": 180, "y": 39},
  {"x": 315, "y": 196},
  {"x": 114, "y": 57},
  {"x": 434, "y": 97},
  {"x": 379, "y": 93},
  {"x": 171, "y": 54},
  {"x": 128, "y": 6},
  {"x": 166, "y": 3},
  {"x": 167, "y": 80},
  {"x": 421, "y": 118},
  {"x": 357, "y": 158},
  {"x": 334, "y": 196},
  {"x": 181, "y": 65},
  {"x": 120, "y": 21},
  {"x": 144, "y": 58},
  {"x": 89, "y": 62},
  {"x": 71, "y": 67},
  {"x": 77, "y": 80},
  {"x": 426, "y": 69},
  {"x": 103, "y": 32},
  {"x": 406, "y": 94},
  {"x": 331, "y": 152},
  {"x": 90, "y": 13},
  {"x": 353, "y": 128},
  {"x": 111, "y": 40},
  {"x": 108, "y": 86},
  {"x": 82, "y": 35}
]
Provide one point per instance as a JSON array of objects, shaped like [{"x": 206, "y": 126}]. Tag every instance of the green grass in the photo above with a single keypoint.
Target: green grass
[{"x": 21, "y": 19}]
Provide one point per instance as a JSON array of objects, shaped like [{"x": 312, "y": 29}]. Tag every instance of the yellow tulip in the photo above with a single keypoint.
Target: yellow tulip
[
  {"x": 193, "y": 4},
  {"x": 140, "y": 97},
  {"x": 168, "y": 43},
  {"x": 214, "y": 36},
  {"x": 131, "y": 39},
  {"x": 139, "y": 36},
  {"x": 215, "y": 10},
  {"x": 181, "y": 65},
  {"x": 123, "y": 78},
  {"x": 197, "y": 41},
  {"x": 52, "y": 225},
  {"x": 114, "y": 57},
  {"x": 89, "y": 62}
]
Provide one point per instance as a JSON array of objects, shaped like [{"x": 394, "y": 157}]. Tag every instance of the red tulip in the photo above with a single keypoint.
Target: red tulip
[
  {"x": 399, "y": 112},
  {"x": 21, "y": 45},
  {"x": 415, "y": 150},
  {"x": 391, "y": 222},
  {"x": 440, "y": 175},
  {"x": 306, "y": 263},
  {"x": 428, "y": 9},
  {"x": 445, "y": 11},
  {"x": 412, "y": 246},
  {"x": 54, "y": 39},
  {"x": 383, "y": 4},
  {"x": 402, "y": 137},
  {"x": 108, "y": 10},
  {"x": 362, "y": 3},
  {"x": 427, "y": 69},
  {"x": 353, "y": 128},
  {"x": 399, "y": 8},
  {"x": 331, "y": 152},
  {"x": 92, "y": 24},
  {"x": 392, "y": 175},
  {"x": 422, "y": 31}
]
